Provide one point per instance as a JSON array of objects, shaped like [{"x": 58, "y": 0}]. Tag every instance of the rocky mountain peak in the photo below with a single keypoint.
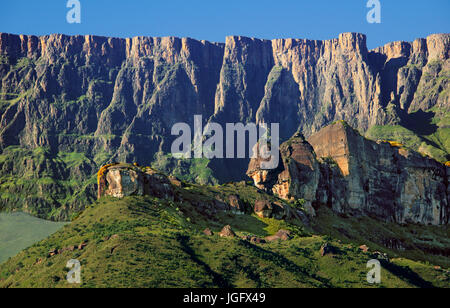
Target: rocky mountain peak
[
  {"x": 353, "y": 42},
  {"x": 438, "y": 46}
]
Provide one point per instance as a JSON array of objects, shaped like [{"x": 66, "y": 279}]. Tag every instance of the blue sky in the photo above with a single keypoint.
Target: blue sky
[{"x": 213, "y": 20}]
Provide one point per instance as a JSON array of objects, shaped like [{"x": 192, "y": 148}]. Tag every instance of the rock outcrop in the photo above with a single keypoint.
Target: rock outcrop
[
  {"x": 381, "y": 179},
  {"x": 121, "y": 180},
  {"x": 297, "y": 177},
  {"x": 253, "y": 239},
  {"x": 208, "y": 232},
  {"x": 281, "y": 235},
  {"x": 227, "y": 231},
  {"x": 263, "y": 208},
  {"x": 277, "y": 210},
  {"x": 354, "y": 175},
  {"x": 327, "y": 249}
]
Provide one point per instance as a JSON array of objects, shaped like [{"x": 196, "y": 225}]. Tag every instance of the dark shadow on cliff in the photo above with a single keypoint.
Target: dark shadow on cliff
[
  {"x": 420, "y": 122},
  {"x": 230, "y": 170},
  {"x": 389, "y": 77}
]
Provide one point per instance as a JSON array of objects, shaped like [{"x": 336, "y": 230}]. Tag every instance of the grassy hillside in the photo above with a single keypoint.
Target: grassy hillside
[
  {"x": 20, "y": 230},
  {"x": 425, "y": 132},
  {"x": 428, "y": 244},
  {"x": 148, "y": 242}
]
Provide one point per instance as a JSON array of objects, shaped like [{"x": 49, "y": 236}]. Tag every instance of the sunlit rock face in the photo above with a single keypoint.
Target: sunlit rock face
[
  {"x": 383, "y": 180},
  {"x": 297, "y": 176},
  {"x": 122, "y": 180},
  {"x": 341, "y": 169}
]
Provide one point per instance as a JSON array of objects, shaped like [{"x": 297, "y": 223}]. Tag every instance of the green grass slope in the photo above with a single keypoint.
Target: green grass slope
[
  {"x": 148, "y": 242},
  {"x": 433, "y": 143}
]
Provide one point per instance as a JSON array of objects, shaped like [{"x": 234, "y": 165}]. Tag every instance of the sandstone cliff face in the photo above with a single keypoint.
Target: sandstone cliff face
[
  {"x": 361, "y": 177},
  {"x": 408, "y": 72},
  {"x": 385, "y": 181},
  {"x": 117, "y": 99},
  {"x": 297, "y": 176},
  {"x": 142, "y": 86}
]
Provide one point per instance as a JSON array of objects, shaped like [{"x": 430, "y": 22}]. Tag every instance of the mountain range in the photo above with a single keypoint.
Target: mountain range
[
  {"x": 363, "y": 173},
  {"x": 70, "y": 104}
]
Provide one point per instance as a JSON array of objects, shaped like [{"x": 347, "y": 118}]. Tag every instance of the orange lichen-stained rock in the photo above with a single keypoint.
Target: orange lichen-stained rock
[{"x": 121, "y": 180}]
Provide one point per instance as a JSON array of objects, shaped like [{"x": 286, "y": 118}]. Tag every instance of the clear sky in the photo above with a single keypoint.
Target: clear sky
[{"x": 213, "y": 20}]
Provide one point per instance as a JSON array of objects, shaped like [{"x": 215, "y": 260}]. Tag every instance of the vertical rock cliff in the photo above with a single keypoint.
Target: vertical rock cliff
[
  {"x": 383, "y": 179},
  {"x": 69, "y": 104},
  {"x": 341, "y": 169}
]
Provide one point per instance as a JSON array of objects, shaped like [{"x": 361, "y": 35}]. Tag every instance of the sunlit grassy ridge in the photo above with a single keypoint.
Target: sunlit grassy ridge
[
  {"x": 427, "y": 132},
  {"x": 148, "y": 242}
]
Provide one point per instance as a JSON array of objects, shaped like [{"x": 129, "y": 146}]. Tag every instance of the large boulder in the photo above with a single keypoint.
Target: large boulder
[
  {"x": 281, "y": 235},
  {"x": 211, "y": 207},
  {"x": 227, "y": 231},
  {"x": 263, "y": 208},
  {"x": 253, "y": 239},
  {"x": 236, "y": 204},
  {"x": 268, "y": 209},
  {"x": 208, "y": 232},
  {"x": 121, "y": 180},
  {"x": 297, "y": 176},
  {"x": 327, "y": 249}
]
